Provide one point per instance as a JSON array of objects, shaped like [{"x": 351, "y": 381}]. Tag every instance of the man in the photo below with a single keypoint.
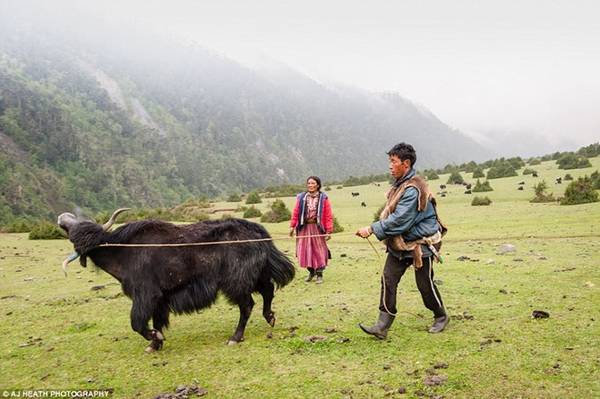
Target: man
[{"x": 412, "y": 231}]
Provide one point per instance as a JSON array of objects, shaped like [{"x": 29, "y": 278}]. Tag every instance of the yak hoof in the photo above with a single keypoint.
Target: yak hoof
[
  {"x": 270, "y": 318},
  {"x": 150, "y": 349},
  {"x": 234, "y": 342},
  {"x": 157, "y": 336}
]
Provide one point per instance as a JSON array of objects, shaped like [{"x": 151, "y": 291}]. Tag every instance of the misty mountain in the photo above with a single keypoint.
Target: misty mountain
[
  {"x": 523, "y": 143},
  {"x": 102, "y": 120}
]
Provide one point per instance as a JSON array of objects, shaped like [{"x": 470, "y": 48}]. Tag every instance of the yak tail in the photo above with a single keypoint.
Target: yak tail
[{"x": 280, "y": 267}]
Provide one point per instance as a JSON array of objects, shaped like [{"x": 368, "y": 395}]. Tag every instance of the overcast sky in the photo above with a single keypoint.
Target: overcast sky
[{"x": 524, "y": 66}]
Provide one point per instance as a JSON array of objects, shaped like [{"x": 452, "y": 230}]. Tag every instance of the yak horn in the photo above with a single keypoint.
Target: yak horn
[
  {"x": 112, "y": 219},
  {"x": 69, "y": 259}
]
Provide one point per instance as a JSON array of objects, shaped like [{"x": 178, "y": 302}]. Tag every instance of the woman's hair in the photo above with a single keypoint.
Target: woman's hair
[{"x": 315, "y": 178}]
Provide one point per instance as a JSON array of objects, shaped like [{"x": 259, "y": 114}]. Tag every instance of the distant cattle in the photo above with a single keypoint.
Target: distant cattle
[
  {"x": 442, "y": 194},
  {"x": 355, "y": 194},
  {"x": 468, "y": 192},
  {"x": 363, "y": 204},
  {"x": 558, "y": 180},
  {"x": 534, "y": 174},
  {"x": 442, "y": 186},
  {"x": 521, "y": 183},
  {"x": 468, "y": 186},
  {"x": 520, "y": 188}
]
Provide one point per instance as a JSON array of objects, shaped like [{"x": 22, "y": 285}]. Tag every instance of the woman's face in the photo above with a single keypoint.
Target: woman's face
[{"x": 312, "y": 186}]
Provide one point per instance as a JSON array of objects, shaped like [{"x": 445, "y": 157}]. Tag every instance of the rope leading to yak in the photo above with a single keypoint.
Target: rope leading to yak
[
  {"x": 187, "y": 244},
  {"x": 75, "y": 255}
]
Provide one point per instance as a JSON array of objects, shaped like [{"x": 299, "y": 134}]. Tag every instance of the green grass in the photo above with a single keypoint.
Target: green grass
[{"x": 59, "y": 333}]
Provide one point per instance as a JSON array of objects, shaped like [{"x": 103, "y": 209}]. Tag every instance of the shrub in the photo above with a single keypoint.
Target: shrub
[
  {"x": 20, "y": 225},
  {"x": 430, "y": 174},
  {"x": 516, "y": 162},
  {"x": 504, "y": 169},
  {"x": 580, "y": 191},
  {"x": 252, "y": 212},
  {"x": 482, "y": 187},
  {"x": 469, "y": 167},
  {"x": 481, "y": 201},
  {"x": 528, "y": 171},
  {"x": 278, "y": 213},
  {"x": 284, "y": 190},
  {"x": 535, "y": 161},
  {"x": 455, "y": 178},
  {"x": 190, "y": 214},
  {"x": 337, "y": 227},
  {"x": 592, "y": 150},
  {"x": 477, "y": 173},
  {"x": 595, "y": 177},
  {"x": 253, "y": 198},
  {"x": 572, "y": 161},
  {"x": 234, "y": 198},
  {"x": 540, "y": 193},
  {"x": 46, "y": 231},
  {"x": 568, "y": 176}
]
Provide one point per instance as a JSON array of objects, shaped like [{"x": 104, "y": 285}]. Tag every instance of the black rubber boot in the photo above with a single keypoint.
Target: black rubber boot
[
  {"x": 311, "y": 275},
  {"x": 439, "y": 323},
  {"x": 380, "y": 329}
]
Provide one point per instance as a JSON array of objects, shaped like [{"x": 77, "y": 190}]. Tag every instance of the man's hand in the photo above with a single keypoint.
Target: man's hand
[
  {"x": 364, "y": 232},
  {"x": 292, "y": 229}
]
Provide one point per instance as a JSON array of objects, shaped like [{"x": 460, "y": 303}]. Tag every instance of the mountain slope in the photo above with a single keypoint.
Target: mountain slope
[{"x": 138, "y": 122}]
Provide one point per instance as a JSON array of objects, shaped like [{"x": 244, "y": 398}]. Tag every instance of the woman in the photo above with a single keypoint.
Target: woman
[{"x": 312, "y": 221}]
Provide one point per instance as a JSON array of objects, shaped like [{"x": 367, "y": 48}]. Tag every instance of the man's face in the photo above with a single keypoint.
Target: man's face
[{"x": 398, "y": 168}]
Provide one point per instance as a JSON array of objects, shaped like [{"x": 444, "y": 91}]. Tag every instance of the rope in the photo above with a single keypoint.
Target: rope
[{"x": 190, "y": 244}]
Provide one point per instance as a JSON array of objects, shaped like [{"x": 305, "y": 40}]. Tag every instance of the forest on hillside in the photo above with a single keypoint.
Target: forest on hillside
[{"x": 99, "y": 122}]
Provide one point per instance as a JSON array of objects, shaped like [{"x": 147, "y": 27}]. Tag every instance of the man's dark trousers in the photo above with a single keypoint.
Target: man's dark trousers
[{"x": 394, "y": 270}]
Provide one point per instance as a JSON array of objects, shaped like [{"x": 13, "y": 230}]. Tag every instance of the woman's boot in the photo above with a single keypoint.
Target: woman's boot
[
  {"x": 380, "y": 329},
  {"x": 311, "y": 275},
  {"x": 319, "y": 277}
]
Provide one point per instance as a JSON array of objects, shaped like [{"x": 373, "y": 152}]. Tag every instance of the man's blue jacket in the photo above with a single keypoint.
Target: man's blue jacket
[{"x": 407, "y": 220}]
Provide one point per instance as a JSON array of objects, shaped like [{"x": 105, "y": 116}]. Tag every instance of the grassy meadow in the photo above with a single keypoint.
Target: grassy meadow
[{"x": 74, "y": 332}]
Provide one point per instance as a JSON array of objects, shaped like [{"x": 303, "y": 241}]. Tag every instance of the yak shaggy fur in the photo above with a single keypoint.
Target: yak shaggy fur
[{"x": 185, "y": 279}]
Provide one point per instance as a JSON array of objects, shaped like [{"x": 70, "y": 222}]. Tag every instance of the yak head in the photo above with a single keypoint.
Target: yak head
[{"x": 84, "y": 234}]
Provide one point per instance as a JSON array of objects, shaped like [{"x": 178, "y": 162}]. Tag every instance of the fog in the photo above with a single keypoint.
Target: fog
[{"x": 518, "y": 76}]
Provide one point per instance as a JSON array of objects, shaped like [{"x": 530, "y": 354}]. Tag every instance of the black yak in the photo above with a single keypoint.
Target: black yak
[{"x": 182, "y": 279}]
